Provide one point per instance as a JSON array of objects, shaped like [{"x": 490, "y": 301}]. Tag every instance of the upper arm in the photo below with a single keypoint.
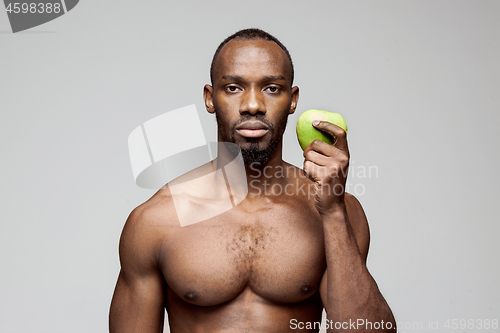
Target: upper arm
[
  {"x": 359, "y": 224},
  {"x": 138, "y": 300}
]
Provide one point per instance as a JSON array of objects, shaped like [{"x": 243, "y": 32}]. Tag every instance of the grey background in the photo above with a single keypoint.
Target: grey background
[{"x": 417, "y": 81}]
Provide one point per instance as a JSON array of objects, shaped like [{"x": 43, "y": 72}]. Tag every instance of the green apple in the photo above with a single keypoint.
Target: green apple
[{"x": 306, "y": 133}]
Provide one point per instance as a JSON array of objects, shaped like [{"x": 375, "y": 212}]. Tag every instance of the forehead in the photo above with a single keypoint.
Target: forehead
[{"x": 252, "y": 57}]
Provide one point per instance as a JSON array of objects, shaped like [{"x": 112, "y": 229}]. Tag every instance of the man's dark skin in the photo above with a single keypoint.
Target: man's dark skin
[{"x": 273, "y": 257}]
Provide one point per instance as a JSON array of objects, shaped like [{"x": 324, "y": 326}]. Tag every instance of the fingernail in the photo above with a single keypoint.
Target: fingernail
[{"x": 315, "y": 123}]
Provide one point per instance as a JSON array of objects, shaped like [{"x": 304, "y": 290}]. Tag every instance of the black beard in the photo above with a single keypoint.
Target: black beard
[
  {"x": 259, "y": 157},
  {"x": 255, "y": 155}
]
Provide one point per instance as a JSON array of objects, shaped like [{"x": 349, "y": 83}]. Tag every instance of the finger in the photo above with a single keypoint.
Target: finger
[
  {"x": 313, "y": 171},
  {"x": 325, "y": 149},
  {"x": 337, "y": 132},
  {"x": 317, "y": 173},
  {"x": 316, "y": 157}
]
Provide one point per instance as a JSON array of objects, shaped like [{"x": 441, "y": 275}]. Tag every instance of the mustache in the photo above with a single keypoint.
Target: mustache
[{"x": 253, "y": 118}]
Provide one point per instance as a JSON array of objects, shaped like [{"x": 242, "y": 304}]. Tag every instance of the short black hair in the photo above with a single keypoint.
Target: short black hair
[{"x": 250, "y": 34}]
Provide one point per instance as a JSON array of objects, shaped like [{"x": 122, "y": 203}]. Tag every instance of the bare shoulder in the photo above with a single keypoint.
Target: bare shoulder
[
  {"x": 359, "y": 223},
  {"x": 149, "y": 225},
  {"x": 158, "y": 210},
  {"x": 146, "y": 229}
]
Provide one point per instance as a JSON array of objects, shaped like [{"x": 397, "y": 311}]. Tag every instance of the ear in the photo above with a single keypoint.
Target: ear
[
  {"x": 209, "y": 98},
  {"x": 295, "y": 99}
]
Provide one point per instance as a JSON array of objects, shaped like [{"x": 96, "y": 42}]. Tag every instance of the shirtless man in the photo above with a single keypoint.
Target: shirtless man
[{"x": 271, "y": 263}]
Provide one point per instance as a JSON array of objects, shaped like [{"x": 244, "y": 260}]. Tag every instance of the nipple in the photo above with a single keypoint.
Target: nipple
[
  {"x": 305, "y": 289},
  {"x": 191, "y": 295}
]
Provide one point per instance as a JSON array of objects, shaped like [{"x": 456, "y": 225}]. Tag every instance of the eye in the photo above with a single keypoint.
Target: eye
[
  {"x": 232, "y": 88},
  {"x": 273, "y": 89}
]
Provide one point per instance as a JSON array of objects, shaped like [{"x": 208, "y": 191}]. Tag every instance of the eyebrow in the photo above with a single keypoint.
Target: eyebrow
[
  {"x": 275, "y": 77},
  {"x": 266, "y": 77},
  {"x": 232, "y": 77}
]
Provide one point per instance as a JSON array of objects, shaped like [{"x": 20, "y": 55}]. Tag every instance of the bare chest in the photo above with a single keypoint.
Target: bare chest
[{"x": 278, "y": 253}]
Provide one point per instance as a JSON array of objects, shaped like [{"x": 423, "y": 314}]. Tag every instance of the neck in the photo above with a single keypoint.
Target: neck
[
  {"x": 261, "y": 179},
  {"x": 266, "y": 180}
]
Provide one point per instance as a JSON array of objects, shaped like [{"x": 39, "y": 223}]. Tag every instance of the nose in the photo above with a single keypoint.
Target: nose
[{"x": 253, "y": 103}]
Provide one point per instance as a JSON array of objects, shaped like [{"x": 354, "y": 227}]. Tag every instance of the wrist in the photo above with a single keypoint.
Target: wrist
[{"x": 335, "y": 212}]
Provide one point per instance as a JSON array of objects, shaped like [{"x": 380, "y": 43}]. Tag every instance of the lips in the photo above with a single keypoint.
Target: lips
[{"x": 252, "y": 129}]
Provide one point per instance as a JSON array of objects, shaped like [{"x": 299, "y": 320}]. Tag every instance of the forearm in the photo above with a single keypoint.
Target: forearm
[{"x": 352, "y": 293}]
